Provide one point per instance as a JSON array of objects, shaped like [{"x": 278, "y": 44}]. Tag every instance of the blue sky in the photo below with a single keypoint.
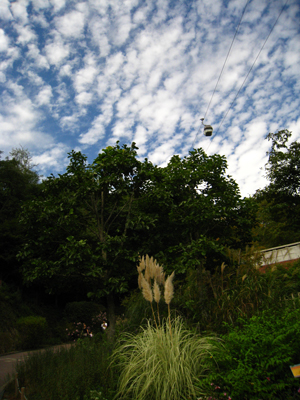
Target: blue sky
[{"x": 82, "y": 75}]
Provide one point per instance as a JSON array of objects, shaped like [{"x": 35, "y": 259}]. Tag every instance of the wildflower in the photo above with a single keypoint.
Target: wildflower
[
  {"x": 298, "y": 390},
  {"x": 269, "y": 379}
]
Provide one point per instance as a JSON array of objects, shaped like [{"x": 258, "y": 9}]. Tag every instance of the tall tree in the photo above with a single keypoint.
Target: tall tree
[
  {"x": 77, "y": 233},
  {"x": 279, "y": 202},
  {"x": 18, "y": 183},
  {"x": 197, "y": 209}
]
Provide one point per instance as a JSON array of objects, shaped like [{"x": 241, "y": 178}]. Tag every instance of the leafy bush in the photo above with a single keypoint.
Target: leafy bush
[
  {"x": 33, "y": 331},
  {"x": 257, "y": 357}
]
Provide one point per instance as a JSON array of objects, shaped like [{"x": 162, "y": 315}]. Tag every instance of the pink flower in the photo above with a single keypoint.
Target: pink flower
[
  {"x": 269, "y": 379},
  {"x": 298, "y": 390}
]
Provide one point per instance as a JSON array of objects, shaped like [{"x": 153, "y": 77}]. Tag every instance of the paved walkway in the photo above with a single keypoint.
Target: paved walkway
[{"x": 8, "y": 361}]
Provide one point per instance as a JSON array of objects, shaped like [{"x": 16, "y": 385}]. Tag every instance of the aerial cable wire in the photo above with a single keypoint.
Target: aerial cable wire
[
  {"x": 236, "y": 31},
  {"x": 223, "y": 119}
]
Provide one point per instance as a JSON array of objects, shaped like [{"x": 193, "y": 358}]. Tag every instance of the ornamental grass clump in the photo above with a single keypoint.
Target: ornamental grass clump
[{"x": 164, "y": 361}]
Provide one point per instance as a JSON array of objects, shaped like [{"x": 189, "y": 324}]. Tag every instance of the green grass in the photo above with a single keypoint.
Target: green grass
[
  {"x": 155, "y": 364},
  {"x": 68, "y": 374}
]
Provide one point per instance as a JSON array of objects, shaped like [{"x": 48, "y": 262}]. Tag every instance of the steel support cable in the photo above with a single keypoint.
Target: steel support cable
[
  {"x": 236, "y": 31},
  {"x": 223, "y": 119}
]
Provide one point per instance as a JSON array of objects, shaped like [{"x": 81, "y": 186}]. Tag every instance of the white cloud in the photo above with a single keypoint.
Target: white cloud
[
  {"x": 57, "y": 51},
  {"x": 71, "y": 24},
  {"x": 95, "y": 133},
  {"x": 5, "y": 13},
  {"x": 19, "y": 10},
  {"x": 58, "y": 4},
  {"x": 53, "y": 159},
  {"x": 44, "y": 96},
  {"x": 85, "y": 76},
  {"x": 40, "y": 61},
  {"x": 26, "y": 34},
  {"x": 3, "y": 41},
  {"x": 84, "y": 98},
  {"x": 146, "y": 71}
]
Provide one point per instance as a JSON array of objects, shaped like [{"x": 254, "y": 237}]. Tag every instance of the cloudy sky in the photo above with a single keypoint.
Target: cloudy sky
[{"x": 82, "y": 75}]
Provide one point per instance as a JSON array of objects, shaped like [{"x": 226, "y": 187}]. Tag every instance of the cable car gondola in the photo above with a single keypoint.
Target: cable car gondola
[{"x": 208, "y": 130}]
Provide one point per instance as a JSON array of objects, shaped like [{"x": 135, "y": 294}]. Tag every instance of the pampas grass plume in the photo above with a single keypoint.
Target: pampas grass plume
[
  {"x": 146, "y": 289},
  {"x": 169, "y": 288},
  {"x": 156, "y": 292}
]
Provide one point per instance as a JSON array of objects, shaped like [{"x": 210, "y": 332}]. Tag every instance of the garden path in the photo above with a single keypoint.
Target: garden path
[{"x": 8, "y": 361}]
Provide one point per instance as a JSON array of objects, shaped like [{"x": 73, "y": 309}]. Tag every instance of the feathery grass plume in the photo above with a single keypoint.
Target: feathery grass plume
[
  {"x": 152, "y": 268},
  {"x": 169, "y": 293},
  {"x": 154, "y": 367},
  {"x": 156, "y": 293},
  {"x": 146, "y": 289},
  {"x": 140, "y": 280},
  {"x": 147, "y": 293},
  {"x": 142, "y": 264},
  {"x": 160, "y": 275},
  {"x": 147, "y": 261},
  {"x": 147, "y": 274},
  {"x": 223, "y": 267},
  {"x": 169, "y": 288}
]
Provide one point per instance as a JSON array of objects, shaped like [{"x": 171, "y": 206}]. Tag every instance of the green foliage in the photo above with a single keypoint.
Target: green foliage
[
  {"x": 33, "y": 331},
  {"x": 284, "y": 163},
  {"x": 236, "y": 289},
  {"x": 279, "y": 202},
  {"x": 156, "y": 364},
  {"x": 256, "y": 360},
  {"x": 196, "y": 207},
  {"x": 18, "y": 184},
  {"x": 77, "y": 231},
  {"x": 68, "y": 373}
]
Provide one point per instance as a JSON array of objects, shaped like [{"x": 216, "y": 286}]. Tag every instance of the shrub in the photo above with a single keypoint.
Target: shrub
[
  {"x": 257, "y": 357},
  {"x": 33, "y": 331}
]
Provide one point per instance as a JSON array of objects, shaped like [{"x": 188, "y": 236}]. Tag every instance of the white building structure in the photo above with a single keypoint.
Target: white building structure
[{"x": 280, "y": 255}]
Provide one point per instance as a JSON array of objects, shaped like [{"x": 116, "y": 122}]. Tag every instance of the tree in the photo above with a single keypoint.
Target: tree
[
  {"x": 90, "y": 225},
  {"x": 18, "y": 183},
  {"x": 279, "y": 202},
  {"x": 198, "y": 211},
  {"x": 77, "y": 233}
]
